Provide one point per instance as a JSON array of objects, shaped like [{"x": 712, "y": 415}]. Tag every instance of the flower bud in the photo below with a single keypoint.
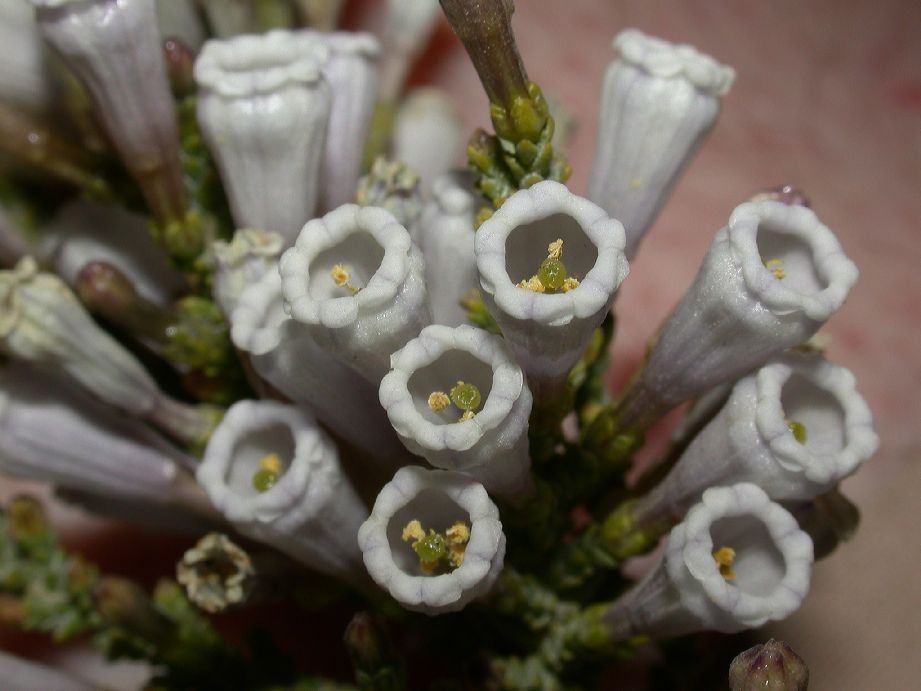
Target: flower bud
[
  {"x": 771, "y": 666},
  {"x": 243, "y": 261}
]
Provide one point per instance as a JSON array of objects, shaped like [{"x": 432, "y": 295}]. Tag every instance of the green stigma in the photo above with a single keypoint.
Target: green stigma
[
  {"x": 466, "y": 396},
  {"x": 552, "y": 273},
  {"x": 430, "y": 548},
  {"x": 264, "y": 480},
  {"x": 799, "y": 431}
]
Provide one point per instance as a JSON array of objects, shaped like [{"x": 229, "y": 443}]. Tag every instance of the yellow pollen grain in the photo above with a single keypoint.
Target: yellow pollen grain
[
  {"x": 342, "y": 278},
  {"x": 457, "y": 537},
  {"x": 413, "y": 531},
  {"x": 271, "y": 463},
  {"x": 724, "y": 557},
  {"x": 438, "y": 401},
  {"x": 532, "y": 284},
  {"x": 570, "y": 284},
  {"x": 555, "y": 249},
  {"x": 775, "y": 267},
  {"x": 468, "y": 415}
]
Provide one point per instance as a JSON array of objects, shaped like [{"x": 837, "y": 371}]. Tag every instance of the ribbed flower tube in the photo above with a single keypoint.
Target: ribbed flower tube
[
  {"x": 285, "y": 354},
  {"x": 659, "y": 102},
  {"x": 549, "y": 331},
  {"x": 43, "y": 322},
  {"x": 351, "y": 71},
  {"x": 770, "y": 279},
  {"x": 444, "y": 233},
  {"x": 795, "y": 427},
  {"x": 25, "y": 80},
  {"x": 766, "y": 579},
  {"x": 427, "y": 134},
  {"x": 243, "y": 261},
  {"x": 115, "y": 48},
  {"x": 492, "y": 446},
  {"x": 408, "y": 26},
  {"x": 386, "y": 304},
  {"x": 263, "y": 108},
  {"x": 311, "y": 513},
  {"x": 436, "y": 498},
  {"x": 52, "y": 432}
]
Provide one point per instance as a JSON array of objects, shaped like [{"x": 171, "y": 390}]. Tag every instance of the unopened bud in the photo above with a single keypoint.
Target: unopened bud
[
  {"x": 26, "y": 518},
  {"x": 367, "y": 644},
  {"x": 771, "y": 666},
  {"x": 216, "y": 573},
  {"x": 179, "y": 61},
  {"x": 123, "y": 604}
]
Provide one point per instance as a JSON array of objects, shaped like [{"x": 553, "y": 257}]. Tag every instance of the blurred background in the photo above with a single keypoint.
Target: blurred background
[{"x": 827, "y": 98}]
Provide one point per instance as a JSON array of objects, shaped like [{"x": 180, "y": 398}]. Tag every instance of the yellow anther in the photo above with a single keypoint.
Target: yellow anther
[
  {"x": 342, "y": 278},
  {"x": 532, "y": 284},
  {"x": 570, "y": 284},
  {"x": 468, "y": 415},
  {"x": 555, "y": 249},
  {"x": 271, "y": 463},
  {"x": 457, "y": 537},
  {"x": 413, "y": 531},
  {"x": 724, "y": 557},
  {"x": 775, "y": 266},
  {"x": 438, "y": 401}
]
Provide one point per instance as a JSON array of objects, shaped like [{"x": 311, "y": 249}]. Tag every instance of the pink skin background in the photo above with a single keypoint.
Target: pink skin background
[{"x": 827, "y": 97}]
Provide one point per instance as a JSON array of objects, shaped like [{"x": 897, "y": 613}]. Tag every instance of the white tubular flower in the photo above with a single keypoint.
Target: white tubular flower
[
  {"x": 659, "y": 102},
  {"x": 492, "y": 446},
  {"x": 770, "y": 279},
  {"x": 52, "y": 432},
  {"x": 796, "y": 427},
  {"x": 309, "y": 510},
  {"x": 351, "y": 71},
  {"x": 24, "y": 675},
  {"x": 25, "y": 80},
  {"x": 283, "y": 353},
  {"x": 737, "y": 561},
  {"x": 243, "y": 261},
  {"x": 436, "y": 498},
  {"x": 84, "y": 232},
  {"x": 427, "y": 134},
  {"x": 549, "y": 331},
  {"x": 116, "y": 51},
  {"x": 444, "y": 233},
  {"x": 180, "y": 19},
  {"x": 374, "y": 307},
  {"x": 264, "y": 107},
  {"x": 408, "y": 26},
  {"x": 43, "y": 322}
]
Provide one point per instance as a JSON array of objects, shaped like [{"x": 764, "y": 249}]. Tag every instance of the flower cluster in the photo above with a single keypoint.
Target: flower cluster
[{"x": 357, "y": 361}]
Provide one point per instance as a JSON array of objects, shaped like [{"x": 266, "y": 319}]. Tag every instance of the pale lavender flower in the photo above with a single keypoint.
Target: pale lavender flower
[
  {"x": 770, "y": 279},
  {"x": 115, "y": 49},
  {"x": 689, "y": 590},
  {"x": 796, "y": 427},
  {"x": 444, "y": 233},
  {"x": 659, "y": 102},
  {"x": 376, "y": 306},
  {"x": 179, "y": 19},
  {"x": 311, "y": 513},
  {"x": 548, "y": 332},
  {"x": 436, "y": 498},
  {"x": 264, "y": 108},
  {"x": 492, "y": 446}
]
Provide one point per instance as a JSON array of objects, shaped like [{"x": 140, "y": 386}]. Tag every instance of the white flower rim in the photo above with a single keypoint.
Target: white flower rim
[
  {"x": 860, "y": 438},
  {"x": 251, "y": 65},
  {"x": 486, "y": 537},
  {"x": 306, "y": 469},
  {"x": 830, "y": 262},
  {"x": 690, "y": 551},
  {"x": 433, "y": 342},
  {"x": 250, "y": 330},
  {"x": 674, "y": 61},
  {"x": 359, "y": 43},
  {"x": 540, "y": 201},
  {"x": 323, "y": 233}
]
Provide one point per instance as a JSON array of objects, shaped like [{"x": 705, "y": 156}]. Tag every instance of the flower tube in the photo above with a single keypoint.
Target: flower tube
[
  {"x": 52, "y": 432},
  {"x": 548, "y": 331},
  {"x": 43, "y": 322},
  {"x": 770, "y": 279},
  {"x": 737, "y": 561},
  {"x": 427, "y": 134},
  {"x": 351, "y": 71},
  {"x": 25, "y": 80},
  {"x": 276, "y": 477},
  {"x": 444, "y": 233},
  {"x": 243, "y": 261},
  {"x": 284, "y": 353},
  {"x": 492, "y": 444},
  {"x": 355, "y": 277},
  {"x": 408, "y": 25},
  {"x": 116, "y": 51},
  {"x": 659, "y": 102},
  {"x": 436, "y": 498},
  {"x": 264, "y": 107},
  {"x": 796, "y": 427}
]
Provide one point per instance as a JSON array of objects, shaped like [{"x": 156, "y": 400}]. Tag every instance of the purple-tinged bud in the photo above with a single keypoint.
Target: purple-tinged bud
[{"x": 771, "y": 666}]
